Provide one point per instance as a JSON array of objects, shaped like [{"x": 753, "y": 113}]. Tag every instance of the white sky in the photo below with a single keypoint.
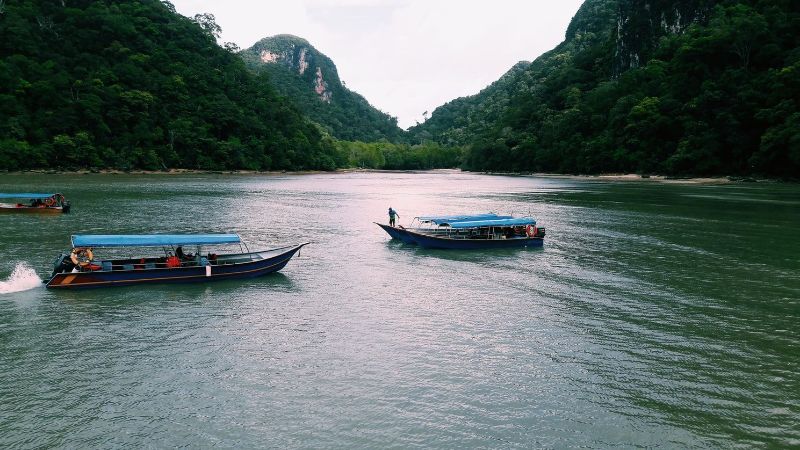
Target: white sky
[{"x": 404, "y": 56}]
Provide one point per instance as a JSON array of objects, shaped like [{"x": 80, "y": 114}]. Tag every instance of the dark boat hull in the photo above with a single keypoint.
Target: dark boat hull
[
  {"x": 250, "y": 269},
  {"x": 444, "y": 242},
  {"x": 31, "y": 210},
  {"x": 397, "y": 233}
]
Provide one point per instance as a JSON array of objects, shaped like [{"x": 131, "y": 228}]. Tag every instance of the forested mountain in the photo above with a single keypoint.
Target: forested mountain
[
  {"x": 459, "y": 121},
  {"x": 132, "y": 84},
  {"x": 688, "y": 87},
  {"x": 310, "y": 80}
]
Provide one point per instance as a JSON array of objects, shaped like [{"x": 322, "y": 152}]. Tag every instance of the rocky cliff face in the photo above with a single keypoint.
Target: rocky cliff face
[
  {"x": 641, "y": 23},
  {"x": 310, "y": 80},
  {"x": 297, "y": 55}
]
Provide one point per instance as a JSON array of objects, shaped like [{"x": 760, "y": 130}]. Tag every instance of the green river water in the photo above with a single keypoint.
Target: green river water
[{"x": 656, "y": 315}]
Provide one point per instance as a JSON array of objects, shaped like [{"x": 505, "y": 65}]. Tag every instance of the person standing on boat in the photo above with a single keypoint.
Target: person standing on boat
[{"x": 392, "y": 213}]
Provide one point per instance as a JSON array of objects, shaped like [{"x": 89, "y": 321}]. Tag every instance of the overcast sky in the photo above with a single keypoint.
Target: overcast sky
[{"x": 405, "y": 56}]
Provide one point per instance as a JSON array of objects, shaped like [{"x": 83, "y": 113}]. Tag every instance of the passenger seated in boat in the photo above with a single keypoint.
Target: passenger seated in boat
[
  {"x": 173, "y": 261},
  {"x": 183, "y": 256}
]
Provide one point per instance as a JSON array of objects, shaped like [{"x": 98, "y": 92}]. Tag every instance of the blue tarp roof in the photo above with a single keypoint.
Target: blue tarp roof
[
  {"x": 25, "y": 195},
  {"x": 460, "y": 218},
  {"x": 519, "y": 222},
  {"x": 151, "y": 240}
]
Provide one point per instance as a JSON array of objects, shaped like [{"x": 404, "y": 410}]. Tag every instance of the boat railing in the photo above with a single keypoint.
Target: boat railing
[{"x": 481, "y": 233}]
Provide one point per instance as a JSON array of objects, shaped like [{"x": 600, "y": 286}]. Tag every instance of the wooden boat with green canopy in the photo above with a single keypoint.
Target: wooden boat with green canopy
[{"x": 82, "y": 269}]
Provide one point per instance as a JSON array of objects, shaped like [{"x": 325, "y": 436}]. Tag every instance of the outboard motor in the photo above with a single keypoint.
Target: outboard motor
[
  {"x": 62, "y": 264},
  {"x": 65, "y": 206}
]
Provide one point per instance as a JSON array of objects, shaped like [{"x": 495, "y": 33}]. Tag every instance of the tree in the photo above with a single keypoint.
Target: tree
[{"x": 208, "y": 23}]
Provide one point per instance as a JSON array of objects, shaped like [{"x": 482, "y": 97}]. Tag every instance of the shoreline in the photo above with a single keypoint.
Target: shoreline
[
  {"x": 653, "y": 178},
  {"x": 204, "y": 172},
  {"x": 619, "y": 177}
]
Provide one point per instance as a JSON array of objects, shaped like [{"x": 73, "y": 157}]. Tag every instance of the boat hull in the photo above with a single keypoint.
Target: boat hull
[
  {"x": 250, "y": 269},
  {"x": 443, "y": 242},
  {"x": 397, "y": 233},
  {"x": 31, "y": 210}
]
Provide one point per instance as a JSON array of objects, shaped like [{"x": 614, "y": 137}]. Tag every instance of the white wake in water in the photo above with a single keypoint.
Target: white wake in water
[{"x": 21, "y": 279}]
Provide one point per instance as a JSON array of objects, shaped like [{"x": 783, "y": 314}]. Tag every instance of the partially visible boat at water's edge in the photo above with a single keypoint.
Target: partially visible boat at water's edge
[{"x": 37, "y": 203}]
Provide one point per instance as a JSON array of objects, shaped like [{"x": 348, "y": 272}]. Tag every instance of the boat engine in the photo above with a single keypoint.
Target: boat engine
[
  {"x": 62, "y": 264},
  {"x": 65, "y": 205}
]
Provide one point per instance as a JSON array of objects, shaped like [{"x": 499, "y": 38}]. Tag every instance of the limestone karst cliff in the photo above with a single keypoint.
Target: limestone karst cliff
[
  {"x": 310, "y": 79},
  {"x": 640, "y": 24}
]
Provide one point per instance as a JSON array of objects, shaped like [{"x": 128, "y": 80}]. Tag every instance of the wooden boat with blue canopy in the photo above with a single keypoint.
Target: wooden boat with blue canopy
[
  {"x": 432, "y": 225},
  {"x": 81, "y": 269},
  {"x": 465, "y": 232},
  {"x": 35, "y": 202}
]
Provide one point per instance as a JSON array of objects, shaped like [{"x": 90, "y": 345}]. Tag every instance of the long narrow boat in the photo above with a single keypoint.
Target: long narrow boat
[
  {"x": 471, "y": 233},
  {"x": 37, "y": 203},
  {"x": 80, "y": 269},
  {"x": 432, "y": 225}
]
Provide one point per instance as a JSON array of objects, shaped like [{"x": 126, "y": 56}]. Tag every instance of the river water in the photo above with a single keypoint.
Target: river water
[{"x": 657, "y": 314}]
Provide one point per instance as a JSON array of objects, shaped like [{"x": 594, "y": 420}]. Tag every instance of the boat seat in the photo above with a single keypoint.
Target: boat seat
[{"x": 106, "y": 265}]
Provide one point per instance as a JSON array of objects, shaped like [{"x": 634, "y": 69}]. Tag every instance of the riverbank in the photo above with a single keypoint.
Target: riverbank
[
  {"x": 654, "y": 178},
  {"x": 598, "y": 177},
  {"x": 622, "y": 177},
  {"x": 154, "y": 172}
]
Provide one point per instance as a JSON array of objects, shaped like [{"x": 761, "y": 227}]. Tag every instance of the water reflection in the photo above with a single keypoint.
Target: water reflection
[{"x": 472, "y": 256}]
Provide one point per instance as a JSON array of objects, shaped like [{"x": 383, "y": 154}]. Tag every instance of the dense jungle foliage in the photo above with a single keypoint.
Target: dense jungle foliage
[
  {"x": 689, "y": 87},
  {"x": 310, "y": 79},
  {"x": 696, "y": 87},
  {"x": 132, "y": 84},
  {"x": 388, "y": 156}
]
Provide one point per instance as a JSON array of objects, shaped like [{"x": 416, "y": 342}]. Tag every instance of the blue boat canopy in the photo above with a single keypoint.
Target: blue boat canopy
[
  {"x": 25, "y": 195},
  {"x": 519, "y": 222},
  {"x": 152, "y": 240},
  {"x": 440, "y": 220}
]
